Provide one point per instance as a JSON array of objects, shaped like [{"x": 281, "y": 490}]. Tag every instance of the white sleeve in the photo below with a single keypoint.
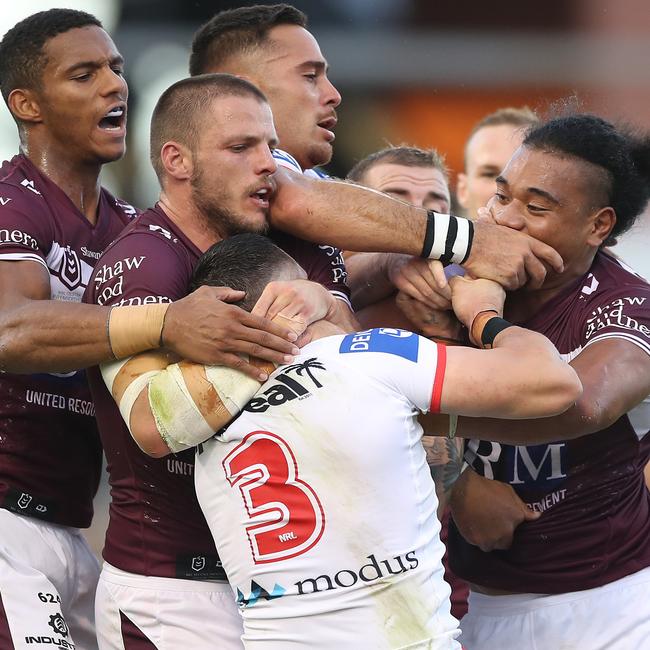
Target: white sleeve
[
  {"x": 411, "y": 365},
  {"x": 283, "y": 159}
]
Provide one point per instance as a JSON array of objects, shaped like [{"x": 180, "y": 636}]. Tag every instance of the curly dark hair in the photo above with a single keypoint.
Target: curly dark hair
[{"x": 623, "y": 156}]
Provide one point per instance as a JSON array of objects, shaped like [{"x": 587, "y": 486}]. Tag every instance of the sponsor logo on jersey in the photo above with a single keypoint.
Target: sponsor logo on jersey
[
  {"x": 58, "y": 624},
  {"x": 29, "y": 185},
  {"x": 370, "y": 572},
  {"x": 612, "y": 315},
  {"x": 24, "y": 500},
  {"x": 50, "y": 641},
  {"x": 88, "y": 253},
  {"x": 200, "y": 567},
  {"x": 286, "y": 387},
  {"x": 538, "y": 467},
  {"x": 4, "y": 200},
  {"x": 69, "y": 271},
  {"x": 17, "y": 237},
  {"x": 128, "y": 209},
  {"x": 163, "y": 232},
  {"x": 382, "y": 339}
]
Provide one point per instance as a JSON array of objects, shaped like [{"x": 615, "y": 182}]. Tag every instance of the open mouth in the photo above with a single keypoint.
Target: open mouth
[
  {"x": 262, "y": 196},
  {"x": 114, "y": 119},
  {"x": 329, "y": 123}
]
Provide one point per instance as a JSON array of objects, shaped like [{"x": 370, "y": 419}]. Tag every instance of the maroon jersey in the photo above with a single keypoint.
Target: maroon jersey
[
  {"x": 595, "y": 523},
  {"x": 323, "y": 264},
  {"x": 50, "y": 456},
  {"x": 156, "y": 526}
]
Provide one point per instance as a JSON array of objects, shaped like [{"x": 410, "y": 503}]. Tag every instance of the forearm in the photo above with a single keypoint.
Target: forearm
[
  {"x": 49, "y": 336},
  {"x": 445, "y": 459},
  {"x": 347, "y": 216},
  {"x": 342, "y": 316}
]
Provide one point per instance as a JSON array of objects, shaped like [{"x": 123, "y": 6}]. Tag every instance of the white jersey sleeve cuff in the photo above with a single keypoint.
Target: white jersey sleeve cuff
[{"x": 283, "y": 159}]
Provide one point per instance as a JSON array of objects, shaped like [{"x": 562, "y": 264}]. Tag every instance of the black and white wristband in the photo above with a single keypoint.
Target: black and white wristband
[{"x": 447, "y": 238}]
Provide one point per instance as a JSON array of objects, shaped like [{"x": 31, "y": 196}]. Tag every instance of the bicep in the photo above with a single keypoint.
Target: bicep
[
  {"x": 21, "y": 281},
  {"x": 615, "y": 375}
]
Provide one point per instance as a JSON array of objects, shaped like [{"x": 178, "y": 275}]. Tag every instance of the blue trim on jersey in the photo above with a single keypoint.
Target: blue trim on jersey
[
  {"x": 389, "y": 340},
  {"x": 278, "y": 154}
]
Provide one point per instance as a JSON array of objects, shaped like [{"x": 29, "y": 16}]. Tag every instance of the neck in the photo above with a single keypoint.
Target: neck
[
  {"x": 183, "y": 212},
  {"x": 322, "y": 328},
  {"x": 79, "y": 181}
]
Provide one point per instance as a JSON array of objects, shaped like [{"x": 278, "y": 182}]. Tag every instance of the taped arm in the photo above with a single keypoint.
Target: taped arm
[{"x": 170, "y": 405}]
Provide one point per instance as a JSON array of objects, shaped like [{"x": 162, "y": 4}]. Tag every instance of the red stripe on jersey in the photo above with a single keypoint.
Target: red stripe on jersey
[
  {"x": 438, "y": 379},
  {"x": 5, "y": 633},
  {"x": 132, "y": 636}
]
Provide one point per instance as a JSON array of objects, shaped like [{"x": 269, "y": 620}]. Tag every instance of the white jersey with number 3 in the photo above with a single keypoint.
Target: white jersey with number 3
[{"x": 322, "y": 505}]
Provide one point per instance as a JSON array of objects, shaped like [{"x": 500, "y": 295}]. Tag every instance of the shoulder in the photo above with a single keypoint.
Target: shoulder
[{"x": 283, "y": 159}]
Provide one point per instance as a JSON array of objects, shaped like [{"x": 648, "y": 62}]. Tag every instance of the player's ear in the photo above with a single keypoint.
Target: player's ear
[
  {"x": 177, "y": 160},
  {"x": 24, "y": 105},
  {"x": 602, "y": 223},
  {"x": 461, "y": 189}
]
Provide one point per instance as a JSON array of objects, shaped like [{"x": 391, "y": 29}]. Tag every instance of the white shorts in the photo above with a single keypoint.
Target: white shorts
[
  {"x": 48, "y": 576},
  {"x": 137, "y": 612},
  {"x": 612, "y": 617}
]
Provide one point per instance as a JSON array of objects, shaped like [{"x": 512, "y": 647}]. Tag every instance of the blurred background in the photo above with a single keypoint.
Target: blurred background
[{"x": 420, "y": 72}]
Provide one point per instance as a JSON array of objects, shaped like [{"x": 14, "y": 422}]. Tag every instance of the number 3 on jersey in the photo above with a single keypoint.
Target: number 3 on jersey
[{"x": 285, "y": 516}]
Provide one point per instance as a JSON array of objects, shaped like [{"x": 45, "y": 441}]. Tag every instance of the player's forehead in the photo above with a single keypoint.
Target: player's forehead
[
  {"x": 238, "y": 116},
  {"x": 88, "y": 44},
  {"x": 291, "y": 46},
  {"x": 383, "y": 175},
  {"x": 493, "y": 145}
]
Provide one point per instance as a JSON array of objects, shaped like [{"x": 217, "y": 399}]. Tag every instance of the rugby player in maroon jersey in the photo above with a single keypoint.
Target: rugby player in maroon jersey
[
  {"x": 212, "y": 186},
  {"x": 578, "y": 575},
  {"x": 61, "y": 77}
]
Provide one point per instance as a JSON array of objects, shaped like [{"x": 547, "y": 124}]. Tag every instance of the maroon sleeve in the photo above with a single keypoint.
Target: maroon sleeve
[
  {"x": 140, "y": 268},
  {"x": 25, "y": 225},
  {"x": 621, "y": 313}
]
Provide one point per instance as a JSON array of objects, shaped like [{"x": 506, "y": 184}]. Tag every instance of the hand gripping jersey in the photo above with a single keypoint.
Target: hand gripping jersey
[
  {"x": 50, "y": 456},
  {"x": 321, "y": 502},
  {"x": 323, "y": 264},
  {"x": 595, "y": 526}
]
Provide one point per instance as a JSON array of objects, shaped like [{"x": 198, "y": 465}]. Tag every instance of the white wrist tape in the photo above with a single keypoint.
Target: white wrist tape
[{"x": 448, "y": 238}]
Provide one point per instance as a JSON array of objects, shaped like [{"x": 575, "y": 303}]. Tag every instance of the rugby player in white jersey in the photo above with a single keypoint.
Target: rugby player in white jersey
[
  {"x": 270, "y": 46},
  {"x": 316, "y": 555}
]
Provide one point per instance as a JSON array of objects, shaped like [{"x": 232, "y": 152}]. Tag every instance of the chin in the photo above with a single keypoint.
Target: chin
[
  {"x": 111, "y": 155},
  {"x": 320, "y": 155}
]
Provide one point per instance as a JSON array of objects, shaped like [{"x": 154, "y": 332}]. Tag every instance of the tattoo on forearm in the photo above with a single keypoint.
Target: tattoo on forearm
[{"x": 445, "y": 461}]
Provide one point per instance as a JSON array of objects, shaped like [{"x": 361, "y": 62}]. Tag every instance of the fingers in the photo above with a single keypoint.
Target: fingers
[
  {"x": 226, "y": 294},
  {"x": 438, "y": 272},
  {"x": 547, "y": 254},
  {"x": 531, "y": 515},
  {"x": 535, "y": 272}
]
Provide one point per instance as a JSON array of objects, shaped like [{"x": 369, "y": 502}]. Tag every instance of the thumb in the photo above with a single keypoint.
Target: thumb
[{"x": 531, "y": 515}]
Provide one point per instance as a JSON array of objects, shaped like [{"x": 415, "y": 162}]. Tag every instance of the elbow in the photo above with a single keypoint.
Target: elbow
[
  {"x": 148, "y": 438},
  {"x": 566, "y": 392}
]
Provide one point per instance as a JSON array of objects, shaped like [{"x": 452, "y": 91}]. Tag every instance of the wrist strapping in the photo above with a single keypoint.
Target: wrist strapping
[
  {"x": 135, "y": 328},
  {"x": 447, "y": 238},
  {"x": 485, "y": 327}
]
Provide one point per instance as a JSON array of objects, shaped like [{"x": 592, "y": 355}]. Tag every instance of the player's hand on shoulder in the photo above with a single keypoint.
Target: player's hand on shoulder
[
  {"x": 470, "y": 296},
  {"x": 487, "y": 512},
  {"x": 296, "y": 302},
  {"x": 429, "y": 322},
  {"x": 203, "y": 327},
  {"x": 421, "y": 279}
]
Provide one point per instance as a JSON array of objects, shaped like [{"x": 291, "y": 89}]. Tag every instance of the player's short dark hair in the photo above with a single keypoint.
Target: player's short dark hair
[
  {"x": 179, "y": 112},
  {"x": 523, "y": 117},
  {"x": 236, "y": 31},
  {"x": 245, "y": 262},
  {"x": 623, "y": 157},
  {"x": 22, "y": 58},
  {"x": 400, "y": 155}
]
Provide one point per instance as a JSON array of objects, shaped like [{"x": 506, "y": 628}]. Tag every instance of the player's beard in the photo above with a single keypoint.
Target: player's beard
[{"x": 211, "y": 201}]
